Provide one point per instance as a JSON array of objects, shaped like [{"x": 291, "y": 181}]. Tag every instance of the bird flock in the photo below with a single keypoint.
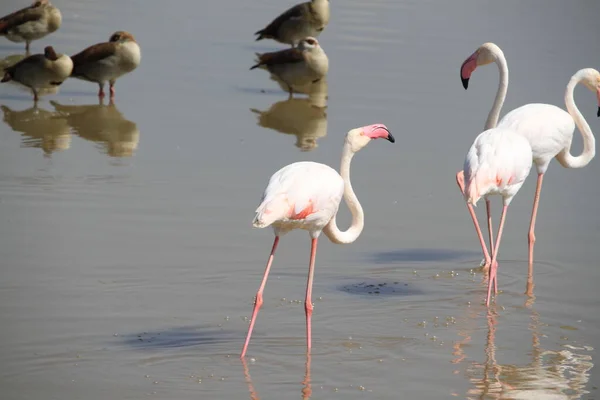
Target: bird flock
[
  {"x": 307, "y": 195},
  {"x": 99, "y": 63}
]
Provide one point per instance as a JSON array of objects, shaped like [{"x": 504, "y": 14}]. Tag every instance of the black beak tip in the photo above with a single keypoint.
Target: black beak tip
[
  {"x": 598, "y": 113},
  {"x": 391, "y": 138},
  {"x": 465, "y": 82}
]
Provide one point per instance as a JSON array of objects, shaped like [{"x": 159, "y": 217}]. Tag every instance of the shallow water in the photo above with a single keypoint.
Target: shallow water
[{"x": 128, "y": 262}]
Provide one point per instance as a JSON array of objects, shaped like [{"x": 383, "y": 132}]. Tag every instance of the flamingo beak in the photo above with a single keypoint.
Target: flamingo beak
[
  {"x": 392, "y": 140},
  {"x": 467, "y": 68},
  {"x": 598, "y": 96}
]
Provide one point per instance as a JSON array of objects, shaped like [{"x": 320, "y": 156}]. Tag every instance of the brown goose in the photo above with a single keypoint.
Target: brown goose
[
  {"x": 107, "y": 61},
  {"x": 300, "y": 21},
  {"x": 31, "y": 23},
  {"x": 298, "y": 66},
  {"x": 40, "y": 70}
]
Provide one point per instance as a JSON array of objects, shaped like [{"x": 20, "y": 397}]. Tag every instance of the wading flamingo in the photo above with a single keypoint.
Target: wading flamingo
[
  {"x": 306, "y": 195},
  {"x": 497, "y": 163},
  {"x": 548, "y": 128}
]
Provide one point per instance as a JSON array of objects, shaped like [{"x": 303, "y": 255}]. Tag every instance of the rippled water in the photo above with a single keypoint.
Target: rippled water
[{"x": 129, "y": 265}]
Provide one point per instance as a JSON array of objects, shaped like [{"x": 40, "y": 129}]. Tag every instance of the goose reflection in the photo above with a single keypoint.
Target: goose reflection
[
  {"x": 103, "y": 124},
  {"x": 306, "y": 388},
  {"x": 316, "y": 91},
  {"x": 550, "y": 374},
  {"x": 305, "y": 118},
  {"x": 40, "y": 128}
]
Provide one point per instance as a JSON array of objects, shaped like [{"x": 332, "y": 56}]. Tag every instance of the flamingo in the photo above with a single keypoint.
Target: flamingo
[
  {"x": 306, "y": 195},
  {"x": 498, "y": 162},
  {"x": 548, "y": 128}
]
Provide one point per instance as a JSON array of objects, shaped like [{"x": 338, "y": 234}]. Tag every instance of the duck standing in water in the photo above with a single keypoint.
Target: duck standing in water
[
  {"x": 300, "y": 65},
  {"x": 107, "y": 61},
  {"x": 298, "y": 22},
  {"x": 31, "y": 23},
  {"x": 40, "y": 70}
]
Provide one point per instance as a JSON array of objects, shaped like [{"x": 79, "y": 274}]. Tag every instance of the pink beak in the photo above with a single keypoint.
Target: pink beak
[
  {"x": 598, "y": 96},
  {"x": 376, "y": 131},
  {"x": 467, "y": 68}
]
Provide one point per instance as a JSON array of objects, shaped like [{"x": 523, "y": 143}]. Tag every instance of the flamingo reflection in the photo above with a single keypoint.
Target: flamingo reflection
[
  {"x": 550, "y": 374},
  {"x": 306, "y": 388}
]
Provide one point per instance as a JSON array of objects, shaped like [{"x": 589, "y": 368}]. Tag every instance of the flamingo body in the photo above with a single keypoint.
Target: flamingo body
[
  {"x": 497, "y": 163},
  {"x": 307, "y": 195},
  {"x": 548, "y": 128},
  {"x": 303, "y": 195}
]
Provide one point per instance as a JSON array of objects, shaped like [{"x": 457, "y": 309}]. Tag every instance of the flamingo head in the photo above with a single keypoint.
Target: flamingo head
[
  {"x": 591, "y": 80},
  {"x": 486, "y": 53},
  {"x": 360, "y": 137}
]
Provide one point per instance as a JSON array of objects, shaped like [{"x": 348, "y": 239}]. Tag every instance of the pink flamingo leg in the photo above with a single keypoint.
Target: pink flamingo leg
[
  {"x": 308, "y": 305},
  {"x": 460, "y": 180},
  {"x": 494, "y": 267},
  {"x": 112, "y": 90},
  {"x": 101, "y": 90},
  {"x": 531, "y": 237},
  {"x": 488, "y": 209},
  {"x": 259, "y": 299}
]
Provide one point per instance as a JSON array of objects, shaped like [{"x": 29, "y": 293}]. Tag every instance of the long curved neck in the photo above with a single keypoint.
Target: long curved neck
[
  {"x": 589, "y": 142},
  {"x": 358, "y": 217},
  {"x": 494, "y": 114}
]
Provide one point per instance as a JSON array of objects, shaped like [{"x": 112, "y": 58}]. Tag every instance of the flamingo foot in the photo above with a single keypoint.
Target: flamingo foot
[{"x": 492, "y": 282}]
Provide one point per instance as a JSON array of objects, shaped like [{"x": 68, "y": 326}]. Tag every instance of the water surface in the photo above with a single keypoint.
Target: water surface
[{"x": 129, "y": 263}]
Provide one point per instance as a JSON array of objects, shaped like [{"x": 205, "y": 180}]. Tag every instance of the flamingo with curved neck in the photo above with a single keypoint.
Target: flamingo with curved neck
[
  {"x": 549, "y": 130},
  {"x": 306, "y": 195}
]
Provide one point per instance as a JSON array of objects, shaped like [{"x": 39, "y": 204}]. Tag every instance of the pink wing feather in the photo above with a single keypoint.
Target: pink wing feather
[
  {"x": 498, "y": 162},
  {"x": 299, "y": 191}
]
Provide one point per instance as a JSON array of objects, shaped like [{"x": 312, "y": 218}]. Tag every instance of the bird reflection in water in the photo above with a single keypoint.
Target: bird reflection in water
[
  {"x": 103, "y": 124},
  {"x": 306, "y": 388},
  {"x": 305, "y": 118},
  {"x": 40, "y": 128},
  {"x": 550, "y": 374}
]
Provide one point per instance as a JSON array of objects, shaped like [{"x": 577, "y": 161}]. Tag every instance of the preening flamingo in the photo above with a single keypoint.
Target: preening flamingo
[
  {"x": 498, "y": 162},
  {"x": 548, "y": 128},
  {"x": 306, "y": 195}
]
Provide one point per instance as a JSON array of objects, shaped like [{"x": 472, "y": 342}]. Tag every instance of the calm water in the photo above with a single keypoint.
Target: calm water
[{"x": 128, "y": 262}]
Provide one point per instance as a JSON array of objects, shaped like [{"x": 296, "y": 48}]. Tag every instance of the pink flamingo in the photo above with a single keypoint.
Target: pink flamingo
[
  {"x": 497, "y": 163},
  {"x": 306, "y": 195},
  {"x": 548, "y": 128}
]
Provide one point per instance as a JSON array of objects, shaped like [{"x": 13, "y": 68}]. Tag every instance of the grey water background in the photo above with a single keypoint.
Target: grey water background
[{"x": 128, "y": 263}]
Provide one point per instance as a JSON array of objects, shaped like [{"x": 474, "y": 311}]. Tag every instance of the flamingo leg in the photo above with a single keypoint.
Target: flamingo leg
[
  {"x": 531, "y": 237},
  {"x": 460, "y": 180},
  {"x": 308, "y": 305},
  {"x": 488, "y": 209},
  {"x": 259, "y": 298},
  {"x": 494, "y": 266}
]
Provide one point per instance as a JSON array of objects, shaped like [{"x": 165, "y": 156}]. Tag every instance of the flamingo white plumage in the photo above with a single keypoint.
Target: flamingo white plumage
[
  {"x": 306, "y": 195},
  {"x": 498, "y": 162},
  {"x": 548, "y": 128}
]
